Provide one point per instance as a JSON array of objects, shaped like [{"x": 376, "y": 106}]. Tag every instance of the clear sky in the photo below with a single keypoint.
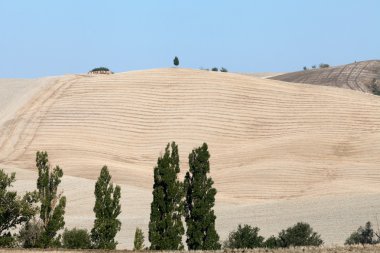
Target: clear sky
[{"x": 42, "y": 38}]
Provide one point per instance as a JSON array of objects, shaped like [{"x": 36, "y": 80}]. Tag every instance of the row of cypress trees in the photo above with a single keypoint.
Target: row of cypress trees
[
  {"x": 192, "y": 199},
  {"x": 52, "y": 210},
  {"x": 41, "y": 212}
]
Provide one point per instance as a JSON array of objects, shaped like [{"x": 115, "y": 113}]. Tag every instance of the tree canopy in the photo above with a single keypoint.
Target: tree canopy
[
  {"x": 363, "y": 235},
  {"x": 165, "y": 226},
  {"x": 200, "y": 200},
  {"x": 176, "y": 61},
  {"x": 301, "y": 234},
  {"x": 107, "y": 208},
  {"x": 245, "y": 237},
  {"x": 53, "y": 204},
  {"x": 14, "y": 210}
]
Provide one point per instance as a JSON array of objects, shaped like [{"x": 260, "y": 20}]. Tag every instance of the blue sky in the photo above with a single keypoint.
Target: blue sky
[{"x": 42, "y": 38}]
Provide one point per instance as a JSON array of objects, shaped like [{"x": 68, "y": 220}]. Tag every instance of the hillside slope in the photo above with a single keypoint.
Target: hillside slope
[
  {"x": 355, "y": 76},
  {"x": 274, "y": 146}
]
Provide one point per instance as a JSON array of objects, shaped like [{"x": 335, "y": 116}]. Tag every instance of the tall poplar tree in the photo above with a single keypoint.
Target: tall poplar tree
[
  {"x": 53, "y": 204},
  {"x": 107, "y": 208},
  {"x": 200, "y": 199},
  {"x": 165, "y": 226}
]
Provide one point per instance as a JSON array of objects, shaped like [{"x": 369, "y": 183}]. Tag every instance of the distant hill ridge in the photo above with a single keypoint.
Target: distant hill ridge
[{"x": 355, "y": 76}]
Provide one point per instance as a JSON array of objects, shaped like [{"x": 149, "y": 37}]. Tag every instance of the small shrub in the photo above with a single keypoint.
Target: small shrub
[
  {"x": 271, "y": 243},
  {"x": 138, "y": 243},
  {"x": 8, "y": 241},
  {"x": 31, "y": 233},
  {"x": 76, "y": 239},
  {"x": 301, "y": 234},
  {"x": 176, "y": 61},
  {"x": 245, "y": 237},
  {"x": 223, "y": 70},
  {"x": 304, "y": 68},
  {"x": 313, "y": 67},
  {"x": 323, "y": 65},
  {"x": 215, "y": 69},
  {"x": 364, "y": 235}
]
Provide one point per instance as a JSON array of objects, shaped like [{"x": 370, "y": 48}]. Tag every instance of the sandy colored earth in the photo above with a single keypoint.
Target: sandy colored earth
[
  {"x": 280, "y": 152},
  {"x": 262, "y": 74},
  {"x": 358, "y": 76}
]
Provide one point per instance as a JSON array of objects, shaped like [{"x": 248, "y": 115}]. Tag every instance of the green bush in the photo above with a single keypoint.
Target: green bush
[
  {"x": 8, "y": 241},
  {"x": 271, "y": 243},
  {"x": 301, "y": 234},
  {"x": 363, "y": 235},
  {"x": 76, "y": 239},
  {"x": 223, "y": 69},
  {"x": 15, "y": 210},
  {"x": 31, "y": 233},
  {"x": 245, "y": 237},
  {"x": 138, "y": 243},
  {"x": 215, "y": 69}
]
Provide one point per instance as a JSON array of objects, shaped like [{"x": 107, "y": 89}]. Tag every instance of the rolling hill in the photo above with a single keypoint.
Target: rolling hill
[
  {"x": 355, "y": 76},
  {"x": 280, "y": 152}
]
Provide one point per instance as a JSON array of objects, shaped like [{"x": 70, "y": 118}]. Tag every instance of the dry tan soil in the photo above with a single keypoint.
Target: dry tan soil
[
  {"x": 280, "y": 152},
  {"x": 355, "y": 76}
]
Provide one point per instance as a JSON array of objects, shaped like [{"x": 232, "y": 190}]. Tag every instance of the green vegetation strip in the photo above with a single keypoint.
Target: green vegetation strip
[{"x": 348, "y": 249}]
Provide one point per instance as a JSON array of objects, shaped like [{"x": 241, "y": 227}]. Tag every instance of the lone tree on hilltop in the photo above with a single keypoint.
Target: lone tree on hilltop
[
  {"x": 165, "y": 226},
  {"x": 14, "y": 210},
  {"x": 100, "y": 70},
  {"x": 107, "y": 208},
  {"x": 200, "y": 199},
  {"x": 53, "y": 204},
  {"x": 176, "y": 61}
]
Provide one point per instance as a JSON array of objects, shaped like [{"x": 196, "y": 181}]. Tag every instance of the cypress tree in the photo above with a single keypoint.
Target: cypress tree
[
  {"x": 200, "y": 199},
  {"x": 176, "y": 61},
  {"x": 107, "y": 208},
  {"x": 165, "y": 226},
  {"x": 53, "y": 204}
]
